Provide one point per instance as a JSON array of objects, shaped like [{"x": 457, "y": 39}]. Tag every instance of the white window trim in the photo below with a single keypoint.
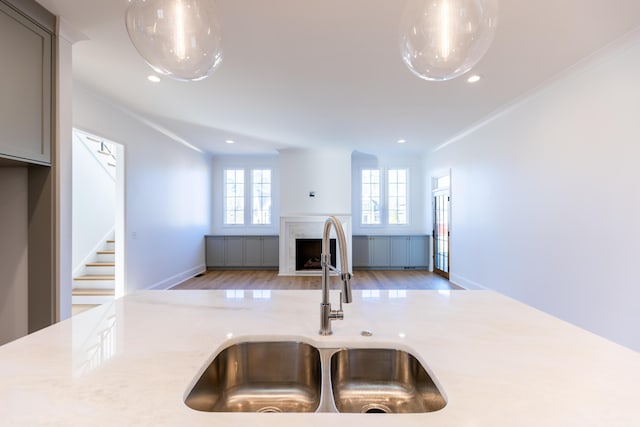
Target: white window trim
[
  {"x": 224, "y": 197},
  {"x": 380, "y": 183},
  {"x": 384, "y": 199},
  {"x": 407, "y": 196},
  {"x": 250, "y": 173},
  {"x": 248, "y": 198}
]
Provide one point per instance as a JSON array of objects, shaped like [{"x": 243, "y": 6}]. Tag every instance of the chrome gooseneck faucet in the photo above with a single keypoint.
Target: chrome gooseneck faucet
[{"x": 326, "y": 314}]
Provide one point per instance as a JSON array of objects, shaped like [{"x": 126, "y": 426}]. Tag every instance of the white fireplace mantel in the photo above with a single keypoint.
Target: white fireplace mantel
[{"x": 306, "y": 227}]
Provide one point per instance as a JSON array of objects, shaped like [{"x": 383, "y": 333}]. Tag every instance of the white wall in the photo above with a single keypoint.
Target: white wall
[
  {"x": 327, "y": 172},
  {"x": 14, "y": 286},
  {"x": 219, "y": 164},
  {"x": 418, "y": 203},
  {"x": 63, "y": 179},
  {"x": 545, "y": 199},
  {"x": 167, "y": 195},
  {"x": 94, "y": 203}
]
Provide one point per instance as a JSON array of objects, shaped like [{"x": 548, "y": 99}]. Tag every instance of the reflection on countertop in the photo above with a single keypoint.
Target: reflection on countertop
[{"x": 96, "y": 341}]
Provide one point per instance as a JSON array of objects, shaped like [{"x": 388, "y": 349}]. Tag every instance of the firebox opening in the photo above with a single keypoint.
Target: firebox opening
[{"x": 308, "y": 253}]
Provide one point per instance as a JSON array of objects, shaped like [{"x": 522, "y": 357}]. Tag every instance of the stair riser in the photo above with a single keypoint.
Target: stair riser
[
  {"x": 94, "y": 284},
  {"x": 94, "y": 300},
  {"x": 109, "y": 246},
  {"x": 100, "y": 271},
  {"x": 105, "y": 258}
]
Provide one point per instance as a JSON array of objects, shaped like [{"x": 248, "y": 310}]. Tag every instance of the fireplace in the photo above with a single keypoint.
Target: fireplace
[
  {"x": 308, "y": 252},
  {"x": 311, "y": 227}
]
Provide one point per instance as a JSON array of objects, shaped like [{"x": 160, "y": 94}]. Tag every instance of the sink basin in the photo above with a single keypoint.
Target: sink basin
[
  {"x": 369, "y": 380},
  {"x": 290, "y": 376},
  {"x": 260, "y": 377}
]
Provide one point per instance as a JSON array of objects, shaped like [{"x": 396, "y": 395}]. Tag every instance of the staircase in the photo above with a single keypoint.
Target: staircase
[
  {"x": 94, "y": 268},
  {"x": 97, "y": 284}
]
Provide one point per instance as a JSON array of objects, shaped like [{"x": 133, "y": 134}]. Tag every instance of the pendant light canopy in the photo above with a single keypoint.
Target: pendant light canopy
[
  {"x": 180, "y": 39},
  {"x": 443, "y": 39}
]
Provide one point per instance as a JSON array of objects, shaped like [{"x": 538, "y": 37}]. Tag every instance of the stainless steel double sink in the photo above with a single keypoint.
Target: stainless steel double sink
[{"x": 291, "y": 376}]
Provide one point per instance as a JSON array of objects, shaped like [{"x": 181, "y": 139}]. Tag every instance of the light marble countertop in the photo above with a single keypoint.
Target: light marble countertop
[{"x": 498, "y": 362}]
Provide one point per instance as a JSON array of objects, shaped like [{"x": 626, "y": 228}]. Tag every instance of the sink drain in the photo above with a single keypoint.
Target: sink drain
[
  {"x": 375, "y": 409},
  {"x": 267, "y": 409}
]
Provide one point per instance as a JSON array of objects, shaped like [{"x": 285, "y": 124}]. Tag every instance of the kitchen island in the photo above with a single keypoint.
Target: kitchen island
[{"x": 498, "y": 362}]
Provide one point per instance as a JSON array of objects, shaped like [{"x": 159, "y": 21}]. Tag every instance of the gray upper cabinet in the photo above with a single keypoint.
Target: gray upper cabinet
[
  {"x": 26, "y": 79},
  {"x": 25, "y": 87}
]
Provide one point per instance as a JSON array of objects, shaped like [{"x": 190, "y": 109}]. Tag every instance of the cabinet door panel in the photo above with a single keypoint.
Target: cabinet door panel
[
  {"x": 360, "y": 251},
  {"x": 25, "y": 88},
  {"x": 233, "y": 251},
  {"x": 270, "y": 248},
  {"x": 252, "y": 252},
  {"x": 379, "y": 247},
  {"x": 419, "y": 251},
  {"x": 215, "y": 251},
  {"x": 399, "y": 251}
]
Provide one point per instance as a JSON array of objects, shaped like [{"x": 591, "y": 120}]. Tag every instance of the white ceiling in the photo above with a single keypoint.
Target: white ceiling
[{"x": 318, "y": 73}]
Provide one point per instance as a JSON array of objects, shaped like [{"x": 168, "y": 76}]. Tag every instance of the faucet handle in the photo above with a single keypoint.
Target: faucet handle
[{"x": 339, "y": 313}]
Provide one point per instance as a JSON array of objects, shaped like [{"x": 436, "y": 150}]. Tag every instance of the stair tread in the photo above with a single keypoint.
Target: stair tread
[
  {"x": 106, "y": 252},
  {"x": 93, "y": 292},
  {"x": 96, "y": 277},
  {"x": 101, "y": 264},
  {"x": 111, "y": 241}
]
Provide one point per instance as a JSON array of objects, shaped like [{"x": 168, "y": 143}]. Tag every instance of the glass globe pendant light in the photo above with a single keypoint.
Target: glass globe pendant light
[
  {"x": 180, "y": 39},
  {"x": 443, "y": 39}
]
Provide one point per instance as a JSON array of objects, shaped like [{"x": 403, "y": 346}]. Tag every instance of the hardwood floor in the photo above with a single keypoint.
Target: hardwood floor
[{"x": 362, "y": 279}]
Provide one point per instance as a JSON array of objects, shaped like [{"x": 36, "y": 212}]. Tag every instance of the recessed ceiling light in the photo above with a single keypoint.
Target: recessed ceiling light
[
  {"x": 154, "y": 79},
  {"x": 401, "y": 141},
  {"x": 230, "y": 141},
  {"x": 473, "y": 79}
]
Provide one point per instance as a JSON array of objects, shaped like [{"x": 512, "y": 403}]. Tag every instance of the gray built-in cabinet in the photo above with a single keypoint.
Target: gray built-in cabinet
[
  {"x": 391, "y": 252},
  {"x": 27, "y": 184},
  {"x": 26, "y": 42},
  {"x": 242, "y": 252}
]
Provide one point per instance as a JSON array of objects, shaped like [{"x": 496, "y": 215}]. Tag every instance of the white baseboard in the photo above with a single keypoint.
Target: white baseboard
[
  {"x": 178, "y": 278},
  {"x": 466, "y": 283}
]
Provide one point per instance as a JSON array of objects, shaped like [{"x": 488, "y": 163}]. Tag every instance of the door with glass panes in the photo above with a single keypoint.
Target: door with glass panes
[{"x": 441, "y": 234}]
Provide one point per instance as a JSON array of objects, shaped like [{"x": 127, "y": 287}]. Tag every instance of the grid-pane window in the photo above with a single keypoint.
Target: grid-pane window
[
  {"x": 234, "y": 196},
  {"x": 261, "y": 196},
  {"x": 397, "y": 192},
  {"x": 370, "y": 196}
]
